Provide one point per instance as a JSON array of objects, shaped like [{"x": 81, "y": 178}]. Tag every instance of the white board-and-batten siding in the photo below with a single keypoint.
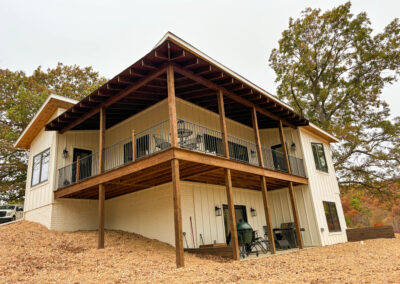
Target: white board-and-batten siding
[
  {"x": 324, "y": 187},
  {"x": 150, "y": 212}
]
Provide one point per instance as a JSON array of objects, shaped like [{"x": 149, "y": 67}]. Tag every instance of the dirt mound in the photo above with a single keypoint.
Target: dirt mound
[{"x": 33, "y": 254}]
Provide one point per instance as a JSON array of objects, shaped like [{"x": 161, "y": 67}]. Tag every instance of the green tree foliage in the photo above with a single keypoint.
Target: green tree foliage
[
  {"x": 21, "y": 97},
  {"x": 331, "y": 67}
]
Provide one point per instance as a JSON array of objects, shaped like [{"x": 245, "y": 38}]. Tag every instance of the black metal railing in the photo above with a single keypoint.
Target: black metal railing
[{"x": 191, "y": 136}]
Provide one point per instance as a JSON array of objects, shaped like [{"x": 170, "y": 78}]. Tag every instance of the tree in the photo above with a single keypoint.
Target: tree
[
  {"x": 332, "y": 69},
  {"x": 21, "y": 97}
]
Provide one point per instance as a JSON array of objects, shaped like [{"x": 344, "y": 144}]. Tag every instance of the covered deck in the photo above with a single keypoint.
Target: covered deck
[{"x": 176, "y": 69}]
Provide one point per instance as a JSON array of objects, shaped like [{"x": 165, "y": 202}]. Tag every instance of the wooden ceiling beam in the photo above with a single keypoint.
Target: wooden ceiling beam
[
  {"x": 140, "y": 83},
  {"x": 227, "y": 93}
]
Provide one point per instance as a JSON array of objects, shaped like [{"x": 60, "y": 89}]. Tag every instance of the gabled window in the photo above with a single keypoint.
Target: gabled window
[
  {"x": 331, "y": 216},
  {"x": 40, "y": 167},
  {"x": 319, "y": 157}
]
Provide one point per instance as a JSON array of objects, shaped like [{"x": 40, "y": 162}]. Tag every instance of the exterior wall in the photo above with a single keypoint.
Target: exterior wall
[
  {"x": 193, "y": 113},
  {"x": 40, "y": 215},
  {"x": 324, "y": 187},
  {"x": 270, "y": 137},
  {"x": 150, "y": 212},
  {"x": 38, "y": 199},
  {"x": 74, "y": 215}
]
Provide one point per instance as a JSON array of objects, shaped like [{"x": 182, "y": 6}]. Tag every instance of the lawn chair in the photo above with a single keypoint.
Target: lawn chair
[{"x": 161, "y": 143}]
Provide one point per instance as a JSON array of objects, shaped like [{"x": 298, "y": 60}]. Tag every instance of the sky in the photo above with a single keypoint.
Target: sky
[{"x": 111, "y": 35}]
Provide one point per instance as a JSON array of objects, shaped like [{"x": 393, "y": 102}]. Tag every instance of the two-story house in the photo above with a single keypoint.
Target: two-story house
[{"x": 179, "y": 148}]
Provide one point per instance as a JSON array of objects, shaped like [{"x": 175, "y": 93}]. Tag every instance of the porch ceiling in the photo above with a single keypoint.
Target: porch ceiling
[{"x": 196, "y": 78}]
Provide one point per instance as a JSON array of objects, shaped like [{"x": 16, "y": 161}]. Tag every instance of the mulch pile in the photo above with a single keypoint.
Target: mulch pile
[{"x": 31, "y": 253}]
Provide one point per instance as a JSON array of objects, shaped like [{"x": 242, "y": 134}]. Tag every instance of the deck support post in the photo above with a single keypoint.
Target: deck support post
[
  {"x": 102, "y": 188},
  {"x": 228, "y": 179},
  {"x": 180, "y": 262},
  {"x": 291, "y": 191},
  {"x": 263, "y": 181}
]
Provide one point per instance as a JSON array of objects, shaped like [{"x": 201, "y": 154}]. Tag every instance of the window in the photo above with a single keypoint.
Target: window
[
  {"x": 40, "y": 168},
  {"x": 142, "y": 148},
  {"x": 213, "y": 145},
  {"x": 331, "y": 216},
  {"x": 319, "y": 156}
]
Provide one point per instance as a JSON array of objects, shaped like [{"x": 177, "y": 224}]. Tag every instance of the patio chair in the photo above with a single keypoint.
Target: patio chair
[
  {"x": 192, "y": 143},
  {"x": 161, "y": 143}
]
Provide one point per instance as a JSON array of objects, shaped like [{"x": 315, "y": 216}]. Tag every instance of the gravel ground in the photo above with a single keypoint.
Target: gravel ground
[{"x": 30, "y": 253}]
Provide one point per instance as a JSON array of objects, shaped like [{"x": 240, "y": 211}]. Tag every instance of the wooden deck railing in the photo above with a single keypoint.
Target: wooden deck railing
[{"x": 191, "y": 136}]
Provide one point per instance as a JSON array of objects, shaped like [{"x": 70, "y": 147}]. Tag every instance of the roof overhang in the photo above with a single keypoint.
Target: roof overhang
[
  {"x": 44, "y": 114},
  {"x": 321, "y": 133},
  {"x": 197, "y": 80}
]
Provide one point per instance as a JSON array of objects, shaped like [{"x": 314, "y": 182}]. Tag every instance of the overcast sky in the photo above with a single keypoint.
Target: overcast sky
[{"x": 111, "y": 35}]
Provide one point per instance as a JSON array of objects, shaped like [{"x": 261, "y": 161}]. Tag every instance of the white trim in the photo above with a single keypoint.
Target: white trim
[{"x": 52, "y": 96}]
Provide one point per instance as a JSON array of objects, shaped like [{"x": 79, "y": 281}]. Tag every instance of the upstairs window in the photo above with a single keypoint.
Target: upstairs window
[
  {"x": 319, "y": 157},
  {"x": 40, "y": 168},
  {"x": 331, "y": 216},
  {"x": 142, "y": 148}
]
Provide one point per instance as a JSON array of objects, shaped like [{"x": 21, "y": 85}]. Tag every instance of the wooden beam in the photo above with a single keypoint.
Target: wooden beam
[
  {"x": 263, "y": 181},
  {"x": 102, "y": 136},
  {"x": 222, "y": 122},
  {"x": 133, "y": 146},
  {"x": 232, "y": 95},
  {"x": 231, "y": 214},
  {"x": 267, "y": 212},
  {"x": 78, "y": 168},
  {"x": 257, "y": 136},
  {"x": 102, "y": 194},
  {"x": 291, "y": 191},
  {"x": 112, "y": 99},
  {"x": 177, "y": 213},
  {"x": 172, "y": 107}
]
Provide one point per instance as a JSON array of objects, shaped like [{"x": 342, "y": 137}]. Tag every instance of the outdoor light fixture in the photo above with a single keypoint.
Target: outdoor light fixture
[
  {"x": 65, "y": 153},
  {"x": 253, "y": 212},
  {"x": 218, "y": 211},
  {"x": 252, "y": 154},
  {"x": 293, "y": 146}
]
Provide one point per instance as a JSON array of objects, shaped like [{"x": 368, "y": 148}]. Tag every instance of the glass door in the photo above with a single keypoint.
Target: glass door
[{"x": 240, "y": 215}]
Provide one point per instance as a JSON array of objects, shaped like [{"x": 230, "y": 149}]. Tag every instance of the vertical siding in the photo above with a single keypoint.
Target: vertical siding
[
  {"x": 204, "y": 117},
  {"x": 42, "y": 194},
  {"x": 270, "y": 137},
  {"x": 323, "y": 187}
]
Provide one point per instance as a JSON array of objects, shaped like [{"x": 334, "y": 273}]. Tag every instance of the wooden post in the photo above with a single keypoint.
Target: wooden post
[
  {"x": 102, "y": 137},
  {"x": 102, "y": 188},
  {"x": 228, "y": 179},
  {"x": 222, "y": 121},
  {"x": 291, "y": 191},
  {"x": 231, "y": 213},
  {"x": 172, "y": 106},
  {"x": 263, "y": 182},
  {"x": 102, "y": 193},
  {"x": 175, "y": 168},
  {"x": 177, "y": 213},
  {"x": 78, "y": 167},
  {"x": 133, "y": 145}
]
